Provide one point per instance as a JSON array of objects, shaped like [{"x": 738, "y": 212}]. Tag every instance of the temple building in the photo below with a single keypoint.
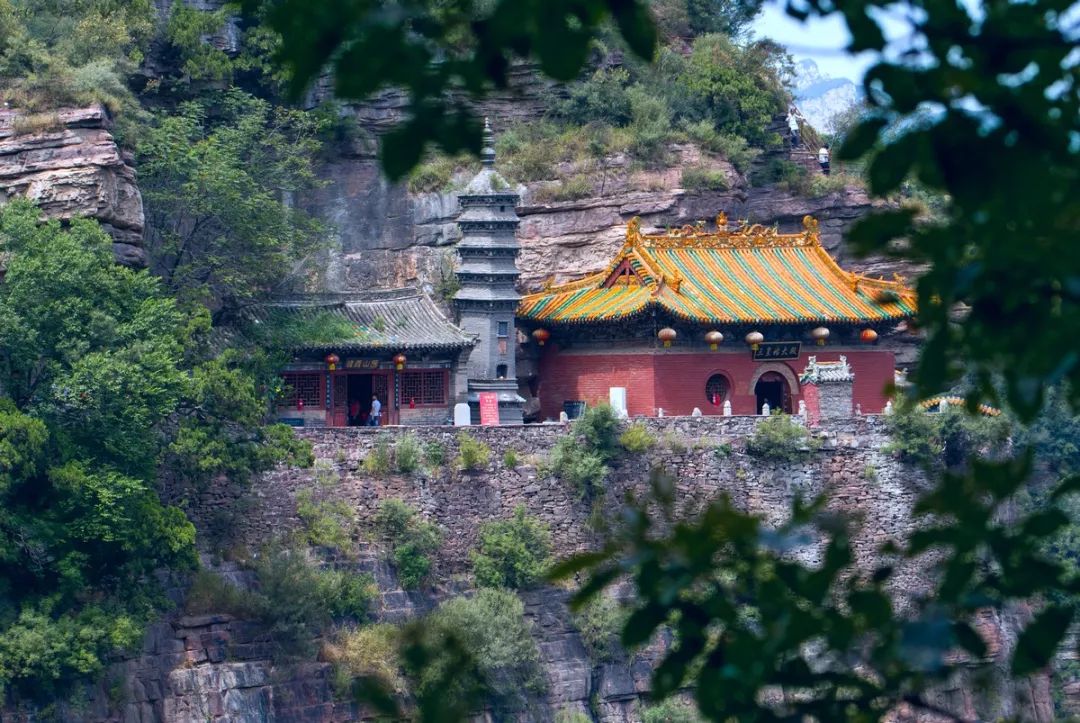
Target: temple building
[
  {"x": 708, "y": 319},
  {"x": 400, "y": 347},
  {"x": 723, "y": 321}
]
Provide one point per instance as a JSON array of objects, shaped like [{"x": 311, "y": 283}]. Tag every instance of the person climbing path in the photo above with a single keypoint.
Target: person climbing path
[
  {"x": 823, "y": 158},
  {"x": 793, "y": 126}
]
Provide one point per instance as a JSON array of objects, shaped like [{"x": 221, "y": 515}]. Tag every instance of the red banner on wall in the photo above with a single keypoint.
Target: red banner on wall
[
  {"x": 813, "y": 404},
  {"x": 489, "y": 408}
]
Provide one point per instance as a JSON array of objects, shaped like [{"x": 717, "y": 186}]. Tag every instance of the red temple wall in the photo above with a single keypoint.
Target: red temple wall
[{"x": 676, "y": 381}]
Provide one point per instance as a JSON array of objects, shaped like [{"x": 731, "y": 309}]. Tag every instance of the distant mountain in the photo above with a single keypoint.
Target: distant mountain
[{"x": 820, "y": 97}]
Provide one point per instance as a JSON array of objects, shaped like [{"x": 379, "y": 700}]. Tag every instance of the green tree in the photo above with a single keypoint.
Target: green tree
[
  {"x": 102, "y": 376},
  {"x": 513, "y": 553},
  {"x": 217, "y": 178},
  {"x": 491, "y": 631},
  {"x": 219, "y": 430},
  {"x": 685, "y": 18},
  {"x": 740, "y": 85},
  {"x": 90, "y": 356}
]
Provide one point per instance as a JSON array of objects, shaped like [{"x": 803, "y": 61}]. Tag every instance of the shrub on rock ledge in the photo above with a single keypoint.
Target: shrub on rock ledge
[
  {"x": 637, "y": 439},
  {"x": 472, "y": 453},
  {"x": 513, "y": 553},
  {"x": 581, "y": 456},
  {"x": 412, "y": 541},
  {"x": 780, "y": 437},
  {"x": 600, "y": 623},
  {"x": 491, "y": 630}
]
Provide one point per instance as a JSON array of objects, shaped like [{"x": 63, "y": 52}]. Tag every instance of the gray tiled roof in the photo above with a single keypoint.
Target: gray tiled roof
[{"x": 392, "y": 320}]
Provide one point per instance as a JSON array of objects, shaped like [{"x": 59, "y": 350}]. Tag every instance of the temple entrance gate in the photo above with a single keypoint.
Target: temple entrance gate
[
  {"x": 350, "y": 387},
  {"x": 773, "y": 389}
]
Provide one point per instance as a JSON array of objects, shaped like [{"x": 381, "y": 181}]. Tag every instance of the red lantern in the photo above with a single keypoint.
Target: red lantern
[
  {"x": 333, "y": 360},
  {"x": 300, "y": 404},
  {"x": 754, "y": 339},
  {"x": 541, "y": 335},
  {"x": 714, "y": 339},
  {"x": 820, "y": 335},
  {"x": 399, "y": 361},
  {"x": 667, "y": 335},
  {"x": 868, "y": 336}
]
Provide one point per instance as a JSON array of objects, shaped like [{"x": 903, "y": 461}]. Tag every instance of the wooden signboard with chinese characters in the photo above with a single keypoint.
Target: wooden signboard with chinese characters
[
  {"x": 361, "y": 363},
  {"x": 773, "y": 350},
  {"x": 489, "y": 409}
]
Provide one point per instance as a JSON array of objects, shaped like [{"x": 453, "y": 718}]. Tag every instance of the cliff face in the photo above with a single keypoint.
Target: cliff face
[
  {"x": 218, "y": 668},
  {"x": 386, "y": 236},
  {"x": 68, "y": 163}
]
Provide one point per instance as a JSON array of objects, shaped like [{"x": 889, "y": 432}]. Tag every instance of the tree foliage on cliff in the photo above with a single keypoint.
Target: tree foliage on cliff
[
  {"x": 430, "y": 49},
  {"x": 90, "y": 357},
  {"x": 218, "y": 178},
  {"x": 513, "y": 553},
  {"x": 57, "y": 52},
  {"x": 98, "y": 365}
]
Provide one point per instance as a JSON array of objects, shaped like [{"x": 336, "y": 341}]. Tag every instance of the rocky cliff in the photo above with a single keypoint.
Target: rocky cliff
[
  {"x": 386, "y": 236},
  {"x": 218, "y": 668},
  {"x": 69, "y": 164}
]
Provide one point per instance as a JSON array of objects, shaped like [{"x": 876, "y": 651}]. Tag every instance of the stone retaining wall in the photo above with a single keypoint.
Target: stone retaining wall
[
  {"x": 706, "y": 454},
  {"x": 213, "y": 668}
]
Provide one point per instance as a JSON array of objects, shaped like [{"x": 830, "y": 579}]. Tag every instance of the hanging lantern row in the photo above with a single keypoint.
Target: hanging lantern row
[
  {"x": 713, "y": 338},
  {"x": 399, "y": 361},
  {"x": 332, "y": 360}
]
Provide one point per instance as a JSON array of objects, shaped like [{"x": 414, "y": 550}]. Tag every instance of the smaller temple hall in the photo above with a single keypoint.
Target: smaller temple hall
[
  {"x": 402, "y": 350},
  {"x": 721, "y": 320}
]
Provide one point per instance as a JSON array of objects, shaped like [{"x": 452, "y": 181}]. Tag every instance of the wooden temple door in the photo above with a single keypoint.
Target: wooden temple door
[{"x": 339, "y": 413}]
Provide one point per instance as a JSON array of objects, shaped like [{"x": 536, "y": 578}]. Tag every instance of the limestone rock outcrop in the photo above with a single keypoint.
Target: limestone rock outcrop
[
  {"x": 386, "y": 236},
  {"x": 69, "y": 164}
]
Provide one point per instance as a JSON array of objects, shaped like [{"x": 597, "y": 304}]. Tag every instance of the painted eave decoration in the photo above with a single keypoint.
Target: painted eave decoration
[{"x": 748, "y": 274}]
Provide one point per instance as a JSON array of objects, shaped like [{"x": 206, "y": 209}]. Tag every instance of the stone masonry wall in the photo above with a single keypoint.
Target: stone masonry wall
[{"x": 215, "y": 668}]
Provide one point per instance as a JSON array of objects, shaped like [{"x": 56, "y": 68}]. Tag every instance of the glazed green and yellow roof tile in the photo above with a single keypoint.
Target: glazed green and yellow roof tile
[{"x": 750, "y": 274}]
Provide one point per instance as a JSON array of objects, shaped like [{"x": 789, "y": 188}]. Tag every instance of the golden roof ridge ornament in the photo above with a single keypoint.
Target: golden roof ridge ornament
[
  {"x": 633, "y": 232},
  {"x": 811, "y": 228}
]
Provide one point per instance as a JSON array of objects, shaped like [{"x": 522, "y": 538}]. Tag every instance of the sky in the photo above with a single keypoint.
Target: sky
[{"x": 822, "y": 40}]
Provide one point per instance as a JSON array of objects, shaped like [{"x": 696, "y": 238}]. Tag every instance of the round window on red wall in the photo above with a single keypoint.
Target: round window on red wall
[{"x": 716, "y": 389}]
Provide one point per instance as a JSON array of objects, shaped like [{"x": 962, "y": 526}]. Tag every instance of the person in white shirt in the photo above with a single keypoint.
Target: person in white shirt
[
  {"x": 793, "y": 127},
  {"x": 374, "y": 418},
  {"x": 823, "y": 158}
]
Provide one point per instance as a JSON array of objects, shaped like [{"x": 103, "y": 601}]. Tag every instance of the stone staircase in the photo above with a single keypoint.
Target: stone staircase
[{"x": 805, "y": 158}]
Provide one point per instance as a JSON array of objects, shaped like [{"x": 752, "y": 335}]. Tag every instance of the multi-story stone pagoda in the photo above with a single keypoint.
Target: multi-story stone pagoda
[{"x": 488, "y": 299}]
